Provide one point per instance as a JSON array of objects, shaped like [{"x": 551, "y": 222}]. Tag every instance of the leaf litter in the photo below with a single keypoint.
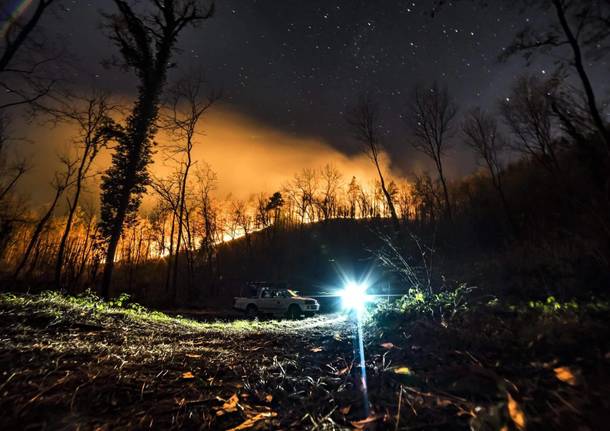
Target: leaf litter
[{"x": 478, "y": 374}]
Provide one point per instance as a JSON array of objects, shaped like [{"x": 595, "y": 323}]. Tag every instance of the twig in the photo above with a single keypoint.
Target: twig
[
  {"x": 398, "y": 410},
  {"x": 7, "y": 381}
]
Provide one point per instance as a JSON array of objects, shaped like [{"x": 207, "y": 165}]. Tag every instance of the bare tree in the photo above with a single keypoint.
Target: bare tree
[
  {"x": 353, "y": 190},
  {"x": 242, "y": 220},
  {"x": 22, "y": 59},
  {"x": 94, "y": 124},
  {"x": 188, "y": 104},
  {"x": 302, "y": 191},
  {"x": 168, "y": 190},
  {"x": 365, "y": 203},
  {"x": 405, "y": 201},
  {"x": 146, "y": 43},
  {"x": 206, "y": 184},
  {"x": 60, "y": 183},
  {"x": 483, "y": 137},
  {"x": 331, "y": 179},
  {"x": 262, "y": 214},
  {"x": 10, "y": 172},
  {"x": 529, "y": 115},
  {"x": 430, "y": 121},
  {"x": 578, "y": 25},
  {"x": 365, "y": 123},
  {"x": 426, "y": 198}
]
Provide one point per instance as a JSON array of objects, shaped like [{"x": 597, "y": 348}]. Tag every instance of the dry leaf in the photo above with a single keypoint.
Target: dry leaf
[
  {"x": 343, "y": 371},
  {"x": 269, "y": 398},
  {"x": 388, "y": 345},
  {"x": 249, "y": 423},
  {"x": 565, "y": 375},
  {"x": 402, "y": 370},
  {"x": 316, "y": 349},
  {"x": 345, "y": 410},
  {"x": 441, "y": 402},
  {"x": 231, "y": 404},
  {"x": 362, "y": 424},
  {"x": 188, "y": 375},
  {"x": 515, "y": 412},
  {"x": 193, "y": 355}
]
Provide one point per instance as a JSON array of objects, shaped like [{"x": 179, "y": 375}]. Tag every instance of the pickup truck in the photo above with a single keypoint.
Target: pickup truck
[{"x": 277, "y": 302}]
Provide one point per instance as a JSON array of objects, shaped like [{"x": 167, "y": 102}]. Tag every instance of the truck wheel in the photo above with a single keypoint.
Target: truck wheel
[
  {"x": 252, "y": 311},
  {"x": 294, "y": 312}
]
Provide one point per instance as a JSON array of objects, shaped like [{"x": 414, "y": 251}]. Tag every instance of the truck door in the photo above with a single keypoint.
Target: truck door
[
  {"x": 282, "y": 302},
  {"x": 266, "y": 301},
  {"x": 274, "y": 302}
]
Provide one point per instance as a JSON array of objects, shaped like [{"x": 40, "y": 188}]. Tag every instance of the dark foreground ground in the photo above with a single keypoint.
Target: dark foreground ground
[{"x": 67, "y": 364}]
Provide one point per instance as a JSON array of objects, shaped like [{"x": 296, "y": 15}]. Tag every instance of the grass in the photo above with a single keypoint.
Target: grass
[
  {"x": 70, "y": 362},
  {"x": 90, "y": 309}
]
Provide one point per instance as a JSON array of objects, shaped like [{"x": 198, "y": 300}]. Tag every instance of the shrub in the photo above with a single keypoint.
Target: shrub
[{"x": 417, "y": 304}]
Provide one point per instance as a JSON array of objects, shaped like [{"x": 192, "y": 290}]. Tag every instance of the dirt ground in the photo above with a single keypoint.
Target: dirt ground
[{"x": 75, "y": 368}]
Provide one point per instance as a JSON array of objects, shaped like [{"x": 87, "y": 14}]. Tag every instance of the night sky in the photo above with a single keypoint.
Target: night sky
[{"x": 296, "y": 65}]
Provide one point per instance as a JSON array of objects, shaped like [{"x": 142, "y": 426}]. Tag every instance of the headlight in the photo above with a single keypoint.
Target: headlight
[{"x": 353, "y": 296}]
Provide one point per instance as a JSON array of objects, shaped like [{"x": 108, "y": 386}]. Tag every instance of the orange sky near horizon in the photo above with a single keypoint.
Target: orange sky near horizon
[{"x": 247, "y": 156}]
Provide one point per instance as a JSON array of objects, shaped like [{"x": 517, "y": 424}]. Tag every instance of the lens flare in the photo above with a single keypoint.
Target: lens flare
[
  {"x": 354, "y": 296},
  {"x": 10, "y": 12}
]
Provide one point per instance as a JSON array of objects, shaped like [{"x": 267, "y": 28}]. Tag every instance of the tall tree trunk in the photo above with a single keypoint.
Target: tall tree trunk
[
  {"x": 180, "y": 222},
  {"x": 582, "y": 73},
  {"x": 441, "y": 175},
  {"x": 37, "y": 231},
  {"x": 71, "y": 211},
  {"x": 11, "y": 184},
  {"x": 168, "y": 273},
  {"x": 388, "y": 197},
  {"x": 113, "y": 242},
  {"x": 84, "y": 257},
  {"x": 145, "y": 112}
]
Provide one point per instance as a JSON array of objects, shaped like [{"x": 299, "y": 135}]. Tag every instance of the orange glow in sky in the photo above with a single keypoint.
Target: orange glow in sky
[{"x": 248, "y": 157}]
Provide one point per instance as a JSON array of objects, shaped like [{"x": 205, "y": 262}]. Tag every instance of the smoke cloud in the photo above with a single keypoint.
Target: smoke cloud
[{"x": 247, "y": 156}]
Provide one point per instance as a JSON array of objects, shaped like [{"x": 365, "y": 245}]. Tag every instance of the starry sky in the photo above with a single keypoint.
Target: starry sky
[{"x": 295, "y": 65}]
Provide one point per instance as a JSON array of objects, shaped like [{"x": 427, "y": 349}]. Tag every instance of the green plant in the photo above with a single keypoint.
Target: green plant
[
  {"x": 121, "y": 301},
  {"x": 418, "y": 303}
]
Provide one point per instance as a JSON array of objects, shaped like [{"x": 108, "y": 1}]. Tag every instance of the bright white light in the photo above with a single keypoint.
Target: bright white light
[{"x": 353, "y": 296}]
